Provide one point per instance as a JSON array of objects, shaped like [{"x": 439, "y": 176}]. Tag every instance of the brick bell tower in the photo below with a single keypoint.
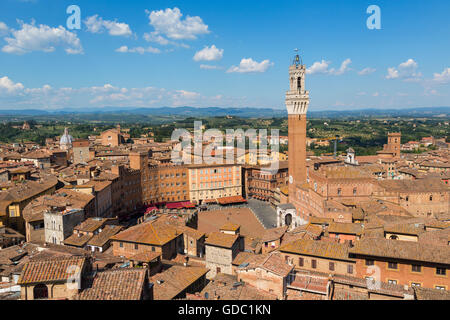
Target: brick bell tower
[{"x": 297, "y": 102}]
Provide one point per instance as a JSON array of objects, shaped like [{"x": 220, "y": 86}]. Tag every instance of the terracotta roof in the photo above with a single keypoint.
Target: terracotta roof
[
  {"x": 154, "y": 233},
  {"x": 384, "y": 288},
  {"x": 36, "y": 154},
  {"x": 402, "y": 250},
  {"x": 319, "y": 220},
  {"x": 176, "y": 279},
  {"x": 441, "y": 237},
  {"x": 357, "y": 214},
  {"x": 100, "y": 239},
  {"x": 242, "y": 257},
  {"x": 191, "y": 232},
  {"x": 226, "y": 287},
  {"x": 250, "y": 293},
  {"x": 407, "y": 229},
  {"x": 96, "y": 185},
  {"x": 274, "y": 234},
  {"x": 221, "y": 239},
  {"x": 345, "y": 228},
  {"x": 309, "y": 231},
  {"x": 91, "y": 224},
  {"x": 118, "y": 284},
  {"x": 310, "y": 283},
  {"x": 27, "y": 189},
  {"x": 78, "y": 240},
  {"x": 437, "y": 224},
  {"x": 50, "y": 270},
  {"x": 431, "y": 294},
  {"x": 421, "y": 186},
  {"x": 272, "y": 262},
  {"x": 146, "y": 256},
  {"x": 34, "y": 211},
  {"x": 315, "y": 248},
  {"x": 230, "y": 227}
]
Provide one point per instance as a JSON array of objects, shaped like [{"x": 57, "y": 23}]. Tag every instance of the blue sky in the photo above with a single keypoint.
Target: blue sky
[{"x": 222, "y": 53}]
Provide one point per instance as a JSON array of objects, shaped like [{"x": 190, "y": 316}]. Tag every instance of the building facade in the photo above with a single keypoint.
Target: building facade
[
  {"x": 59, "y": 224},
  {"x": 209, "y": 182}
]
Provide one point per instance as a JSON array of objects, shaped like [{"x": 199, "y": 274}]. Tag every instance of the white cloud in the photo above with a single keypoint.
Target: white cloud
[
  {"x": 3, "y": 28},
  {"x": 392, "y": 73},
  {"x": 169, "y": 23},
  {"x": 8, "y": 85},
  {"x": 410, "y": 63},
  {"x": 366, "y": 71},
  {"x": 318, "y": 67},
  {"x": 42, "y": 38},
  {"x": 209, "y": 67},
  {"x": 442, "y": 78},
  {"x": 343, "y": 68},
  {"x": 155, "y": 37},
  {"x": 47, "y": 97},
  {"x": 321, "y": 67},
  {"x": 249, "y": 65},
  {"x": 209, "y": 54},
  {"x": 406, "y": 70},
  {"x": 96, "y": 24},
  {"x": 140, "y": 50}
]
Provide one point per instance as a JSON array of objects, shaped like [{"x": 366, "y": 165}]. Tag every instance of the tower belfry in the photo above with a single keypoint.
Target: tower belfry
[{"x": 297, "y": 102}]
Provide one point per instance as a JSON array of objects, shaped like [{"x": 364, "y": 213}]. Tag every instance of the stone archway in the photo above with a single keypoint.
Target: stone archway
[{"x": 288, "y": 219}]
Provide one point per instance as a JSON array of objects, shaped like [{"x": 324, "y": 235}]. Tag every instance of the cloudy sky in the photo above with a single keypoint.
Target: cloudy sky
[{"x": 222, "y": 53}]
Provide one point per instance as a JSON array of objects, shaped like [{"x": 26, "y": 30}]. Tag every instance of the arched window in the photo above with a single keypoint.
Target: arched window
[
  {"x": 431, "y": 198},
  {"x": 299, "y": 83}
]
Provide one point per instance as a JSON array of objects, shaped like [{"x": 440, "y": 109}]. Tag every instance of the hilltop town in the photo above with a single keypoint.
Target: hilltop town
[{"x": 112, "y": 217}]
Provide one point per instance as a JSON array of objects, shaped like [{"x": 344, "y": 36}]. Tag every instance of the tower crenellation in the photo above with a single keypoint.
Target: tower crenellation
[{"x": 297, "y": 98}]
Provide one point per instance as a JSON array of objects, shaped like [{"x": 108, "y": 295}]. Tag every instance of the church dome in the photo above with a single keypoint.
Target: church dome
[{"x": 66, "y": 138}]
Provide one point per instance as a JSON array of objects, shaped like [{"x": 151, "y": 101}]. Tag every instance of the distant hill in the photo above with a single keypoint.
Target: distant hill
[
  {"x": 185, "y": 112},
  {"x": 431, "y": 112}
]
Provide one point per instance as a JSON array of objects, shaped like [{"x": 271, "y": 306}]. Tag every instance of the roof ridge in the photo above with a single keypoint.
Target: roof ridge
[{"x": 154, "y": 231}]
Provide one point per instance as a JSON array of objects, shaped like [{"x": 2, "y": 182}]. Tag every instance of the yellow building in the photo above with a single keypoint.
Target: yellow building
[{"x": 15, "y": 199}]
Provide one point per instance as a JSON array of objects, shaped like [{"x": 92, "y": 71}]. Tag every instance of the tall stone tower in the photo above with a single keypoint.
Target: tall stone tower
[
  {"x": 394, "y": 143},
  {"x": 297, "y": 102}
]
